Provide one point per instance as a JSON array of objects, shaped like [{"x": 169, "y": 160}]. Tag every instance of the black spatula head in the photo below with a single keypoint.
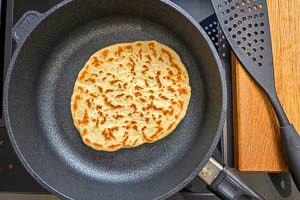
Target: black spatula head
[{"x": 245, "y": 24}]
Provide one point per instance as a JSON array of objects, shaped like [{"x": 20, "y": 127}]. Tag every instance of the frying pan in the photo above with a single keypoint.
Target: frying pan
[{"x": 51, "y": 49}]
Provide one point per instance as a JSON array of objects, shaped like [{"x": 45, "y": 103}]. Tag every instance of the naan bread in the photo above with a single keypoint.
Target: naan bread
[{"x": 128, "y": 94}]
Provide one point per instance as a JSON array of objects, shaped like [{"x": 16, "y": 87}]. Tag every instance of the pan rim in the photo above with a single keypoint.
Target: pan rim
[{"x": 204, "y": 159}]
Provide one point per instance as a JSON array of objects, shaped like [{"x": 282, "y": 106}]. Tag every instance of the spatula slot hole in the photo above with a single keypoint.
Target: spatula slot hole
[
  {"x": 230, "y": 18},
  {"x": 243, "y": 3},
  {"x": 253, "y": 59},
  {"x": 244, "y": 39},
  {"x": 255, "y": 7},
  {"x": 262, "y": 24},
  {"x": 235, "y": 15},
  {"x": 233, "y": 36},
  {"x": 222, "y": 13},
  {"x": 255, "y": 16},
  {"x": 248, "y": 54},
  {"x": 260, "y": 56},
  {"x": 227, "y": 11},
  {"x": 239, "y": 22},
  {"x": 248, "y": 45},
  {"x": 238, "y": 42},
  {"x": 234, "y": 25},
  {"x": 249, "y": 25},
  {"x": 239, "y": 32},
  {"x": 261, "y": 48},
  {"x": 225, "y": 21},
  {"x": 253, "y": 50},
  {"x": 248, "y": 1},
  {"x": 237, "y": 5},
  {"x": 244, "y": 29},
  {"x": 261, "y": 14},
  {"x": 232, "y": 8},
  {"x": 255, "y": 33},
  {"x": 242, "y": 11},
  {"x": 259, "y": 64},
  {"x": 262, "y": 40},
  {"x": 249, "y": 9},
  {"x": 248, "y": 35},
  {"x": 250, "y": 17},
  {"x": 243, "y": 48},
  {"x": 260, "y": 5},
  {"x": 229, "y": 29},
  {"x": 262, "y": 32},
  {"x": 10, "y": 166},
  {"x": 255, "y": 25},
  {"x": 254, "y": 41}
]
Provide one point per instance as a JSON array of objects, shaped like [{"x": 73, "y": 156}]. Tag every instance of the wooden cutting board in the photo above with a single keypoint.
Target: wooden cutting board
[{"x": 256, "y": 136}]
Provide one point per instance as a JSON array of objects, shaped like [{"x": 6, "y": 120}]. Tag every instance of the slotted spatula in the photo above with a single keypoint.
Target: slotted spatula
[{"x": 245, "y": 24}]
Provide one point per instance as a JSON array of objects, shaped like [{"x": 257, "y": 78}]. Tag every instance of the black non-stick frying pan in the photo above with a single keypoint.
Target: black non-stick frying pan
[{"x": 51, "y": 49}]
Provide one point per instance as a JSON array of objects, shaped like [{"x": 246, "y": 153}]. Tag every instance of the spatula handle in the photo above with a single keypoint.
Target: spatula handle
[{"x": 291, "y": 149}]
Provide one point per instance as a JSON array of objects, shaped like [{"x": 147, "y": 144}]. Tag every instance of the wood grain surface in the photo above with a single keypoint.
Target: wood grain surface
[{"x": 256, "y": 136}]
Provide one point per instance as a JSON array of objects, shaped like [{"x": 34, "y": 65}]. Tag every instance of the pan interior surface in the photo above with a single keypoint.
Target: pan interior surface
[{"x": 41, "y": 84}]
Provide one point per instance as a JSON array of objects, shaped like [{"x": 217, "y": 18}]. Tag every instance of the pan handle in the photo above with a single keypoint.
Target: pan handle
[
  {"x": 225, "y": 183},
  {"x": 25, "y": 25}
]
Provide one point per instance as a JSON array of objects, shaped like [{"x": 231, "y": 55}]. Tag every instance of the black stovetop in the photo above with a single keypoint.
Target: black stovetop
[{"x": 15, "y": 179}]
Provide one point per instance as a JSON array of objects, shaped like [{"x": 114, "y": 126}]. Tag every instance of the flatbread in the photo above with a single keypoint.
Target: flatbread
[{"x": 128, "y": 94}]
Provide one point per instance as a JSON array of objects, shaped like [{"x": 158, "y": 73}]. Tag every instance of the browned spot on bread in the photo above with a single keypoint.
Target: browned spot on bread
[
  {"x": 142, "y": 100},
  {"x": 182, "y": 91},
  {"x": 181, "y": 105},
  {"x": 157, "y": 79},
  {"x": 129, "y": 47},
  {"x": 88, "y": 103},
  {"x": 75, "y": 104},
  {"x": 149, "y": 57},
  {"x": 87, "y": 141},
  {"x": 163, "y": 97},
  {"x": 146, "y": 83},
  {"x": 114, "y": 81},
  {"x": 137, "y": 94},
  {"x": 156, "y": 133},
  {"x": 105, "y": 53},
  {"x": 170, "y": 126},
  {"x": 97, "y": 145},
  {"x": 138, "y": 87},
  {"x": 147, "y": 119},
  {"x": 134, "y": 107},
  {"x": 145, "y": 69},
  {"x": 134, "y": 143},
  {"x": 80, "y": 89},
  {"x": 165, "y": 51},
  {"x": 118, "y": 116},
  {"x": 112, "y": 146},
  {"x": 109, "y": 90},
  {"x": 85, "y": 119},
  {"x": 170, "y": 89},
  {"x": 125, "y": 85},
  {"x": 82, "y": 76},
  {"x": 84, "y": 131},
  {"x": 120, "y": 95},
  {"x": 161, "y": 59}
]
